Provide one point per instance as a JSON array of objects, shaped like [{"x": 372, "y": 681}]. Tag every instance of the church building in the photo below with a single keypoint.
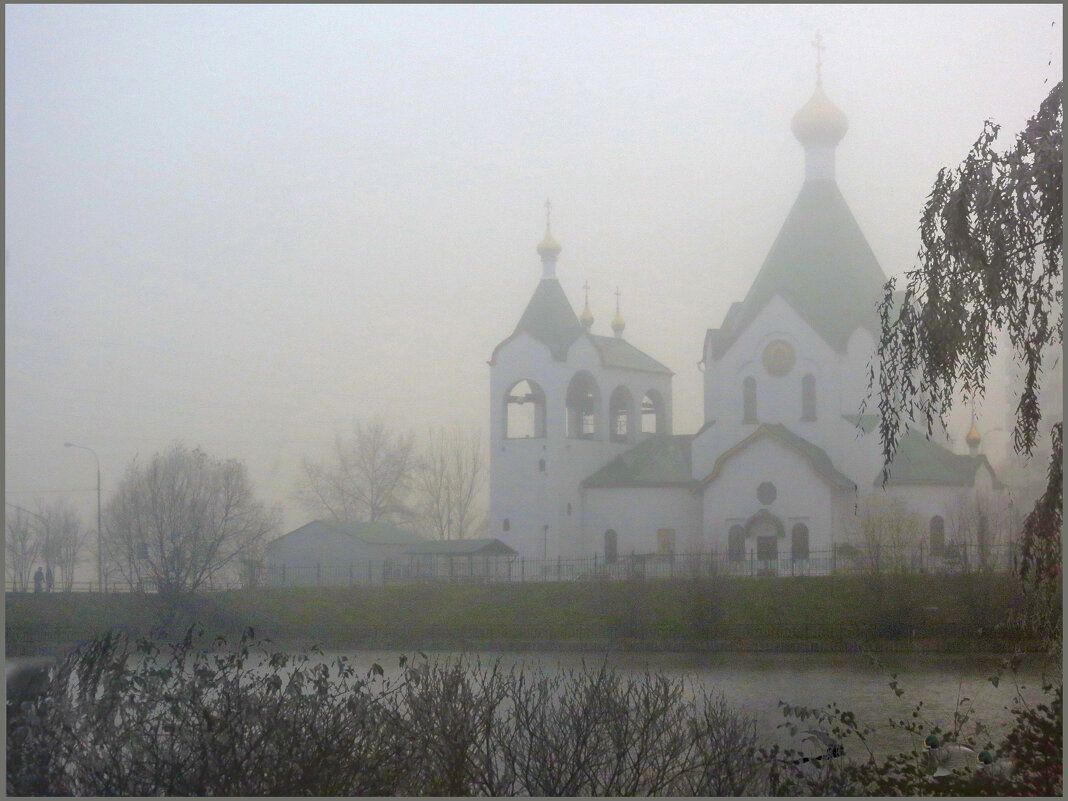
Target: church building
[{"x": 584, "y": 459}]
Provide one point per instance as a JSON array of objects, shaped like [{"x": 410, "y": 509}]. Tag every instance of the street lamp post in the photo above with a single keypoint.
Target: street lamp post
[{"x": 99, "y": 547}]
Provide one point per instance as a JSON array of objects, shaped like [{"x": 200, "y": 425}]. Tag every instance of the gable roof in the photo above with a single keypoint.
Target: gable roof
[
  {"x": 816, "y": 456},
  {"x": 483, "y": 547},
  {"x": 821, "y": 265},
  {"x": 617, "y": 352},
  {"x": 663, "y": 460},
  {"x": 548, "y": 318},
  {"x": 920, "y": 461},
  {"x": 371, "y": 533}
]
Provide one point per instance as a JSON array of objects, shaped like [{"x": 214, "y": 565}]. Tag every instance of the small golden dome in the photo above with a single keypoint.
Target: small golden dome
[
  {"x": 819, "y": 122},
  {"x": 549, "y": 248},
  {"x": 586, "y": 318},
  {"x": 617, "y": 324},
  {"x": 973, "y": 437}
]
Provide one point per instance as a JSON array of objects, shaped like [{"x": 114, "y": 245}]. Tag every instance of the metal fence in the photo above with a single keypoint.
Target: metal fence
[{"x": 838, "y": 560}]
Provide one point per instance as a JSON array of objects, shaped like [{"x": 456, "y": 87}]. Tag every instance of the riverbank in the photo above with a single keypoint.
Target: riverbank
[{"x": 819, "y": 614}]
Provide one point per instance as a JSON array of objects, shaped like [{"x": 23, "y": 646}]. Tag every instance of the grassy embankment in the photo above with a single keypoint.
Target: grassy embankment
[{"x": 960, "y": 613}]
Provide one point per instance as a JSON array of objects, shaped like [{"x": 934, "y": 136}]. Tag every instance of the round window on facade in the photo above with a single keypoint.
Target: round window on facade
[
  {"x": 766, "y": 493},
  {"x": 778, "y": 357}
]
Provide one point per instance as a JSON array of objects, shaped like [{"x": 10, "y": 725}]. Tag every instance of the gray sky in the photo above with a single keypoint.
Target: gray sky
[{"x": 247, "y": 227}]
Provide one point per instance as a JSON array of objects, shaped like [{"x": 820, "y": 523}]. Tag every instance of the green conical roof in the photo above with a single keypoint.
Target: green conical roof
[
  {"x": 550, "y": 319},
  {"x": 821, "y": 265}
]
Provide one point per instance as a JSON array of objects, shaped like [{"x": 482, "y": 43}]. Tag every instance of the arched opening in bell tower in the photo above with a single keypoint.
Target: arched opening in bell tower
[
  {"x": 583, "y": 404},
  {"x": 524, "y": 411}
]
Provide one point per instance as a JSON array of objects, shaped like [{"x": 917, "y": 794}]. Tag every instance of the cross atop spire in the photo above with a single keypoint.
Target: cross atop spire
[
  {"x": 586, "y": 287},
  {"x": 618, "y": 293},
  {"x": 818, "y": 44},
  {"x": 617, "y": 324},
  {"x": 548, "y": 213}
]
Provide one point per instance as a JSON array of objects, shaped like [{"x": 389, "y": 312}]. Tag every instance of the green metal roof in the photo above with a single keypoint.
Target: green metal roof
[
  {"x": 372, "y": 533},
  {"x": 483, "y": 547},
  {"x": 815, "y": 455},
  {"x": 662, "y": 460},
  {"x": 920, "y": 461},
  {"x": 550, "y": 319},
  {"x": 617, "y": 352},
  {"x": 865, "y": 422},
  {"x": 821, "y": 264}
]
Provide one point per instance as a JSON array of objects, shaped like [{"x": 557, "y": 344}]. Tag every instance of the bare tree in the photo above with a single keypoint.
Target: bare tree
[
  {"x": 21, "y": 546},
  {"x": 182, "y": 518},
  {"x": 62, "y": 540},
  {"x": 367, "y": 477},
  {"x": 887, "y": 534},
  {"x": 449, "y": 477}
]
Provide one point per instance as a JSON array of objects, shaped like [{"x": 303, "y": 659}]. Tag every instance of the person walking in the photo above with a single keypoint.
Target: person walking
[
  {"x": 50, "y": 579},
  {"x": 38, "y": 580}
]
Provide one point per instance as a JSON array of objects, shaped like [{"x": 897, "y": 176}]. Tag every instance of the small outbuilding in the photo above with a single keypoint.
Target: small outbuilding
[
  {"x": 325, "y": 552},
  {"x": 461, "y": 560}
]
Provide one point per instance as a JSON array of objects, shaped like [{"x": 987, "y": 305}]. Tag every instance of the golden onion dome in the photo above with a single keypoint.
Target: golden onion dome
[
  {"x": 819, "y": 122},
  {"x": 973, "y": 437},
  {"x": 617, "y": 324},
  {"x": 549, "y": 248},
  {"x": 586, "y": 318}
]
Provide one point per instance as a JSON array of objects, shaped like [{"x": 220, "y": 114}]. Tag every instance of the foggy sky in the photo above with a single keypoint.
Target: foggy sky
[{"x": 247, "y": 227}]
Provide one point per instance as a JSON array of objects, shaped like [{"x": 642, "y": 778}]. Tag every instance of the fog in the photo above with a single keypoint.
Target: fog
[{"x": 247, "y": 227}]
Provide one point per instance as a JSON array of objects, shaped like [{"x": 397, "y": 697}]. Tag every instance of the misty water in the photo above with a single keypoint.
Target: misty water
[{"x": 755, "y": 683}]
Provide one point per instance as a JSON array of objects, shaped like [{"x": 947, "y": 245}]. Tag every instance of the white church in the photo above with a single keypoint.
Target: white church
[{"x": 584, "y": 459}]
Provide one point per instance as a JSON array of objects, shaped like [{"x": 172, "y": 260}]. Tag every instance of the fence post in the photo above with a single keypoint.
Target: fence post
[
  {"x": 522, "y": 569},
  {"x": 558, "y": 557},
  {"x": 595, "y": 563},
  {"x": 834, "y": 558},
  {"x": 370, "y": 578},
  {"x": 318, "y": 573},
  {"x": 283, "y": 574}
]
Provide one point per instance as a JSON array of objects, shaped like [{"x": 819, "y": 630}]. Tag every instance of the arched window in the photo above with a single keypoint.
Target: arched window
[
  {"x": 611, "y": 553},
  {"x": 654, "y": 420},
  {"x": 621, "y": 414},
  {"x": 583, "y": 402},
  {"x": 808, "y": 397},
  {"x": 938, "y": 536},
  {"x": 736, "y": 543},
  {"x": 749, "y": 400},
  {"x": 799, "y": 541},
  {"x": 524, "y": 411}
]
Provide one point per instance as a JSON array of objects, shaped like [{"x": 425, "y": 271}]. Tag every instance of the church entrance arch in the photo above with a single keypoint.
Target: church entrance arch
[
  {"x": 611, "y": 552},
  {"x": 766, "y": 529}
]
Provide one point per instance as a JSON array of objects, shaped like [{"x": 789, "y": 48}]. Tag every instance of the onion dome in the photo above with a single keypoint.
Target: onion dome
[
  {"x": 618, "y": 324},
  {"x": 586, "y": 318},
  {"x": 973, "y": 437},
  {"x": 549, "y": 248},
  {"x": 819, "y": 123}
]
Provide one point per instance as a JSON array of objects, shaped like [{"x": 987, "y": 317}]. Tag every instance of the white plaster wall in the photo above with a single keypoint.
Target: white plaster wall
[
  {"x": 778, "y": 397},
  {"x": 636, "y": 513},
  {"x": 802, "y": 495},
  {"x": 306, "y": 549},
  {"x": 520, "y": 492}
]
